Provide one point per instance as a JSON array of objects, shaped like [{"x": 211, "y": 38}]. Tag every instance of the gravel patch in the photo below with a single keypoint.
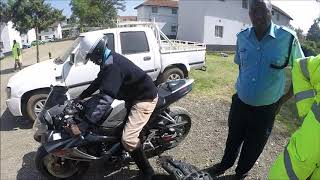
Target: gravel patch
[{"x": 203, "y": 147}]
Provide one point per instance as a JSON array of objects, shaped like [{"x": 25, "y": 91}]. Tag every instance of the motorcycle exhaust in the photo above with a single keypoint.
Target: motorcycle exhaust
[{"x": 78, "y": 155}]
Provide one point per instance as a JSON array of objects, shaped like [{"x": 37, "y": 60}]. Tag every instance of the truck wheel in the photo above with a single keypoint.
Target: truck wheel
[
  {"x": 34, "y": 105},
  {"x": 172, "y": 74}
]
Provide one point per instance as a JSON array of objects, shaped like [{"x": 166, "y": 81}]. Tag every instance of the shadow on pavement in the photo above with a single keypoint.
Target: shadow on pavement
[
  {"x": 28, "y": 170},
  {"x": 12, "y": 123},
  {"x": 9, "y": 70},
  {"x": 96, "y": 171}
]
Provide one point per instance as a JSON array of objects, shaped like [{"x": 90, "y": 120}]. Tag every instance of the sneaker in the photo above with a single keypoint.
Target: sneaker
[{"x": 239, "y": 176}]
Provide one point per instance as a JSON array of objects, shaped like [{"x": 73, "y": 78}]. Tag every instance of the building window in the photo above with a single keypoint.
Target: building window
[
  {"x": 218, "y": 31},
  {"x": 129, "y": 43},
  {"x": 174, "y": 10},
  {"x": 272, "y": 13},
  {"x": 173, "y": 29},
  {"x": 154, "y": 9},
  {"x": 278, "y": 17},
  {"x": 245, "y": 4}
]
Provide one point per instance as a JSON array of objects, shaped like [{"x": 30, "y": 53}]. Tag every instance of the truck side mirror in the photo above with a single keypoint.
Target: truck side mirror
[{"x": 71, "y": 62}]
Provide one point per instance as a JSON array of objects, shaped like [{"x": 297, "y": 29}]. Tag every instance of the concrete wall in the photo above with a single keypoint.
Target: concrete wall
[
  {"x": 164, "y": 18},
  {"x": 191, "y": 21},
  {"x": 230, "y": 30},
  {"x": 283, "y": 20},
  {"x": 198, "y": 18}
]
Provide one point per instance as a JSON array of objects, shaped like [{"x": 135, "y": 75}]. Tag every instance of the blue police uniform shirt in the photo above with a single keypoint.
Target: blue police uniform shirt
[{"x": 258, "y": 84}]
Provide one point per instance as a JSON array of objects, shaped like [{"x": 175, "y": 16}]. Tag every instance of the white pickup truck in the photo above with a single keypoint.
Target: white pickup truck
[{"x": 145, "y": 45}]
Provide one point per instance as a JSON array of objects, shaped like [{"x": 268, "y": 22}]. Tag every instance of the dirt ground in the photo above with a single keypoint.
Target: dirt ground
[{"x": 203, "y": 147}]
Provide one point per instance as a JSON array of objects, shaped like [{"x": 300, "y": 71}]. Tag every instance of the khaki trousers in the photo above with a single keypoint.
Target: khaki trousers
[{"x": 137, "y": 119}]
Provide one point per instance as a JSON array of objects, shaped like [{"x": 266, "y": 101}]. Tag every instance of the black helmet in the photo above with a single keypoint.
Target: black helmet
[{"x": 96, "y": 56}]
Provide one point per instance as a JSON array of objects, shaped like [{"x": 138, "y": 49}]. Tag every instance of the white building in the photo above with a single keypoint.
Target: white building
[
  {"x": 8, "y": 34},
  {"x": 216, "y": 22},
  {"x": 163, "y": 12},
  {"x": 29, "y": 37},
  {"x": 52, "y": 32}
]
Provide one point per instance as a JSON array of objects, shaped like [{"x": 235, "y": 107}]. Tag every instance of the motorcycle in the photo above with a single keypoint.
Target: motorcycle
[{"x": 64, "y": 155}]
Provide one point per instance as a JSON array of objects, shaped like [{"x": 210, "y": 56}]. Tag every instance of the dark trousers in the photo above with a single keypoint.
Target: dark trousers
[
  {"x": 251, "y": 127},
  {"x": 17, "y": 63}
]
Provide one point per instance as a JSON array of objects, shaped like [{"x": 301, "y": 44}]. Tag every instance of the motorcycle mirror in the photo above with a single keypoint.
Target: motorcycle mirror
[{"x": 71, "y": 62}]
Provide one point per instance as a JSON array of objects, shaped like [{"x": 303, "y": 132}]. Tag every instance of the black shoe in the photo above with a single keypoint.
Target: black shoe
[
  {"x": 217, "y": 169},
  {"x": 143, "y": 164},
  {"x": 239, "y": 176}
]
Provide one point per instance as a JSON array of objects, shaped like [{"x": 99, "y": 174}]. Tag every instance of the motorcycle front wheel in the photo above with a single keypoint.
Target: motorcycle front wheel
[{"x": 53, "y": 167}]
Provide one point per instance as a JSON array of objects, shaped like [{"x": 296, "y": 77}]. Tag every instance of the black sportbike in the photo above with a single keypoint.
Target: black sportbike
[{"x": 64, "y": 155}]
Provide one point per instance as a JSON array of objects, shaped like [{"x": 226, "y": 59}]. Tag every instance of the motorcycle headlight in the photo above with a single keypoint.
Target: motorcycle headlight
[
  {"x": 39, "y": 129},
  {"x": 8, "y": 91}
]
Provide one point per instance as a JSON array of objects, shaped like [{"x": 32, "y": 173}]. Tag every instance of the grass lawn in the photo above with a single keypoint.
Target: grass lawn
[{"x": 219, "y": 80}]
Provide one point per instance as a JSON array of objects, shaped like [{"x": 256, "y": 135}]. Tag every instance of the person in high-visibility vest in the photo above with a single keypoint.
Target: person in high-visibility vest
[
  {"x": 301, "y": 157},
  {"x": 16, "y": 52}
]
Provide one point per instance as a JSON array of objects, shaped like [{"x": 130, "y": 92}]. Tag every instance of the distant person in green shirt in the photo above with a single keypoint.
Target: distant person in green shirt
[{"x": 16, "y": 52}]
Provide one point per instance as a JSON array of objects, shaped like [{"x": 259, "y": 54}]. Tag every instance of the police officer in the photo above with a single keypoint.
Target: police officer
[
  {"x": 262, "y": 52},
  {"x": 119, "y": 78}
]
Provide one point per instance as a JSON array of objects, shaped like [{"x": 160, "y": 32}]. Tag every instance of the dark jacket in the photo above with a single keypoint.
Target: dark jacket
[{"x": 119, "y": 79}]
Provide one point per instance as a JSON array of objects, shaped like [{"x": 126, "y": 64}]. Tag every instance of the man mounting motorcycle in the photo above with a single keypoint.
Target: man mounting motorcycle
[{"x": 121, "y": 79}]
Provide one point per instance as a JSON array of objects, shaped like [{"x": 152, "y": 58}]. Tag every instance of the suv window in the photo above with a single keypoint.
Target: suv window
[
  {"x": 110, "y": 37},
  {"x": 134, "y": 42}
]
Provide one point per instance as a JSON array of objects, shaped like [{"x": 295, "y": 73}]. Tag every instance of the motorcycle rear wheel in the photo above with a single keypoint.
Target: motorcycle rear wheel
[{"x": 180, "y": 116}]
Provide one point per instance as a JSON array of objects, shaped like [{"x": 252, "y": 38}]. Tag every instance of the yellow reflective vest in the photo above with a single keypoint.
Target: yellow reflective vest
[
  {"x": 16, "y": 51},
  {"x": 301, "y": 158}
]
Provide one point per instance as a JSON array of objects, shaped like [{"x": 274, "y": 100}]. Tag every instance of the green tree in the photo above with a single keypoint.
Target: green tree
[
  {"x": 96, "y": 13},
  {"x": 5, "y": 12},
  {"x": 314, "y": 32},
  {"x": 28, "y": 14},
  {"x": 300, "y": 36}
]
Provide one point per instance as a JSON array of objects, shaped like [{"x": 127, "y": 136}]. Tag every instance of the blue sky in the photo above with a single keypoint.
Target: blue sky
[
  {"x": 64, "y": 4},
  {"x": 302, "y": 11}
]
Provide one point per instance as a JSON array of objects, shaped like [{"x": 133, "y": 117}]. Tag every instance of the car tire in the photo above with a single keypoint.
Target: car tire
[
  {"x": 34, "y": 105},
  {"x": 171, "y": 74}
]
